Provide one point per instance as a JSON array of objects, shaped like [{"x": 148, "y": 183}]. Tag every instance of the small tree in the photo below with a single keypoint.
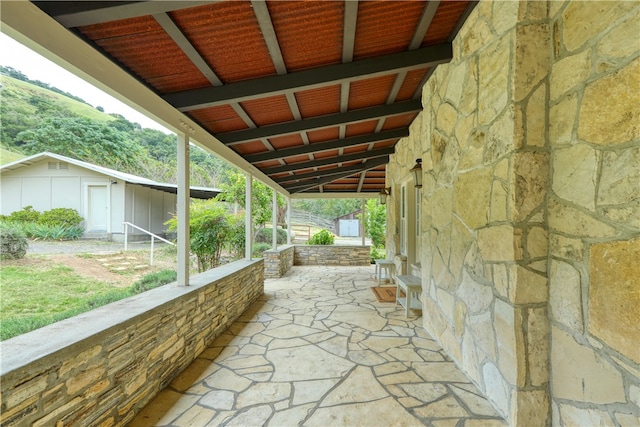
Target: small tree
[
  {"x": 376, "y": 222},
  {"x": 208, "y": 229}
]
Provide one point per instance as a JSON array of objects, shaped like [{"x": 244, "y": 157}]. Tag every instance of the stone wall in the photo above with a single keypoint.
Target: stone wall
[
  {"x": 529, "y": 141},
  {"x": 594, "y": 213},
  {"x": 101, "y": 367},
  {"x": 278, "y": 262},
  {"x": 332, "y": 255}
]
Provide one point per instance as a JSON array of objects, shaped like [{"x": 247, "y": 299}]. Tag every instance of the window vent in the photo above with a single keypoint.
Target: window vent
[
  {"x": 63, "y": 166},
  {"x": 53, "y": 166}
]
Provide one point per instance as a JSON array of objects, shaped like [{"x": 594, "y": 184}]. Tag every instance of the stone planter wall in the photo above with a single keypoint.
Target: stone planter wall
[
  {"x": 332, "y": 255},
  {"x": 101, "y": 367},
  {"x": 530, "y": 146},
  {"x": 278, "y": 262}
]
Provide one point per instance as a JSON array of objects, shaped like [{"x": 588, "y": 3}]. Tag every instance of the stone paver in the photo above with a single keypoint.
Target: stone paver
[{"x": 317, "y": 349}]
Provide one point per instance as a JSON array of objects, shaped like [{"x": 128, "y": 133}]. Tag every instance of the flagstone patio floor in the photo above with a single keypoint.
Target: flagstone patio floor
[{"x": 317, "y": 349}]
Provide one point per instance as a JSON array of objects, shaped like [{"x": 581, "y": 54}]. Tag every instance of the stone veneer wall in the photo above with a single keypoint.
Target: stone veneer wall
[
  {"x": 594, "y": 213},
  {"x": 278, "y": 262},
  {"x": 331, "y": 255},
  {"x": 530, "y": 147},
  {"x": 101, "y": 367}
]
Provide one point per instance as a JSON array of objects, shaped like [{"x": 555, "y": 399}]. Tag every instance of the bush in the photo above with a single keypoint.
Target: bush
[
  {"x": 377, "y": 253},
  {"x": 52, "y": 232},
  {"x": 265, "y": 235},
  {"x": 259, "y": 248},
  {"x": 13, "y": 243},
  {"x": 236, "y": 241},
  {"x": 323, "y": 237},
  {"x": 61, "y": 216},
  {"x": 26, "y": 214}
]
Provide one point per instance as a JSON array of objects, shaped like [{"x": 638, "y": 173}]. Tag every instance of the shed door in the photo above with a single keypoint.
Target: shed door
[
  {"x": 98, "y": 208},
  {"x": 349, "y": 228}
]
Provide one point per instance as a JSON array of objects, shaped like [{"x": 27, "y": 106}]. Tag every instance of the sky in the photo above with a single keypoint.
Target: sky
[{"x": 36, "y": 67}]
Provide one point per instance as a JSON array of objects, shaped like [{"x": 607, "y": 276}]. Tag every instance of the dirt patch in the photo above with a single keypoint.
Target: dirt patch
[{"x": 121, "y": 269}]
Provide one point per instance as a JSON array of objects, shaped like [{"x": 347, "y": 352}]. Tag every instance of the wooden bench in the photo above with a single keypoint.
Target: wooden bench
[{"x": 412, "y": 287}]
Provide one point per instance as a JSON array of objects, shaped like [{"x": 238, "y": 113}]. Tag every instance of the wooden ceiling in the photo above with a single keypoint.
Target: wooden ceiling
[{"x": 314, "y": 94}]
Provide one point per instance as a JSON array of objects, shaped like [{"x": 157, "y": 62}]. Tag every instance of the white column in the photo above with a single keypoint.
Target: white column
[
  {"x": 274, "y": 220},
  {"x": 364, "y": 213},
  {"x": 288, "y": 220},
  {"x": 248, "y": 227},
  {"x": 183, "y": 210}
]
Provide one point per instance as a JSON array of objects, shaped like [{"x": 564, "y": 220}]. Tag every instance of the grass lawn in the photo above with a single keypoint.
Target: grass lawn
[{"x": 33, "y": 296}]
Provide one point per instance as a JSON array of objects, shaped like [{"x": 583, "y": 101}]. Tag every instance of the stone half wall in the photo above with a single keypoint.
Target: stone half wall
[
  {"x": 530, "y": 207},
  {"x": 103, "y": 366},
  {"x": 278, "y": 262},
  {"x": 332, "y": 255}
]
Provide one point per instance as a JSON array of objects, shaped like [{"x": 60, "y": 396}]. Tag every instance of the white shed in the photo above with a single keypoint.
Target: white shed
[{"x": 104, "y": 197}]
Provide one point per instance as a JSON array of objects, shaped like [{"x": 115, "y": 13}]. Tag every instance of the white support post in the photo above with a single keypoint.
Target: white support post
[
  {"x": 274, "y": 220},
  {"x": 363, "y": 220},
  {"x": 183, "y": 210},
  {"x": 247, "y": 218},
  {"x": 288, "y": 221}
]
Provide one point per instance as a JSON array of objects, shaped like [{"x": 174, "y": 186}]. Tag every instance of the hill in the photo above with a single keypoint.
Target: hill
[{"x": 37, "y": 117}]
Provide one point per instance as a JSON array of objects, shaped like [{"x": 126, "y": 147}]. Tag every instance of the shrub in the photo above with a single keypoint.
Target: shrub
[
  {"x": 26, "y": 214},
  {"x": 209, "y": 229},
  {"x": 13, "y": 243},
  {"x": 52, "y": 232},
  {"x": 236, "y": 241},
  {"x": 265, "y": 235},
  {"x": 60, "y": 216},
  {"x": 377, "y": 253},
  {"x": 259, "y": 248},
  {"x": 323, "y": 237}
]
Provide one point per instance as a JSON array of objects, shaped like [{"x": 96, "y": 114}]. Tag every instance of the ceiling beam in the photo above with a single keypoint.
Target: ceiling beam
[
  {"x": 325, "y": 179},
  {"x": 80, "y": 13},
  {"x": 309, "y": 79},
  {"x": 327, "y": 145},
  {"x": 308, "y": 175},
  {"x": 329, "y": 120},
  {"x": 371, "y": 154}
]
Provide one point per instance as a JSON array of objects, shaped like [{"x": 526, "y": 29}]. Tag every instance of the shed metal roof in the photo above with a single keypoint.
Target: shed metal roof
[
  {"x": 195, "y": 192},
  {"x": 312, "y": 94}
]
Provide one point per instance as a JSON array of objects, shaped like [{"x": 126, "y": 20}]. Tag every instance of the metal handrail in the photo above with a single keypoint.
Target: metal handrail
[{"x": 153, "y": 236}]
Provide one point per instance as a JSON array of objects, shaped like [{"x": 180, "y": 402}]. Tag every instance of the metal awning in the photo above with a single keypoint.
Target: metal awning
[{"x": 309, "y": 96}]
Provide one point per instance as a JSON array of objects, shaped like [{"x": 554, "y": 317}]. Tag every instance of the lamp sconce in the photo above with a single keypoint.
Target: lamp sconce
[
  {"x": 383, "y": 195},
  {"x": 417, "y": 173},
  {"x": 114, "y": 182}
]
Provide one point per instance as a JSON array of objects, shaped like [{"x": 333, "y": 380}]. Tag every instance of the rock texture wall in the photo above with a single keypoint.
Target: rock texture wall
[
  {"x": 332, "y": 255},
  {"x": 594, "y": 213},
  {"x": 278, "y": 262},
  {"x": 101, "y": 367},
  {"x": 530, "y": 147}
]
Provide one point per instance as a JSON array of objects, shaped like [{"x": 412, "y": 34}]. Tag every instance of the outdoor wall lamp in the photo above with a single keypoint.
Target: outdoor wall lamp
[
  {"x": 383, "y": 195},
  {"x": 417, "y": 174}
]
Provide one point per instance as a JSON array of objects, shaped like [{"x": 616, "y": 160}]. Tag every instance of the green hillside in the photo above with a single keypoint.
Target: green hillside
[
  {"x": 37, "y": 117},
  {"x": 28, "y": 98},
  {"x": 8, "y": 156}
]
